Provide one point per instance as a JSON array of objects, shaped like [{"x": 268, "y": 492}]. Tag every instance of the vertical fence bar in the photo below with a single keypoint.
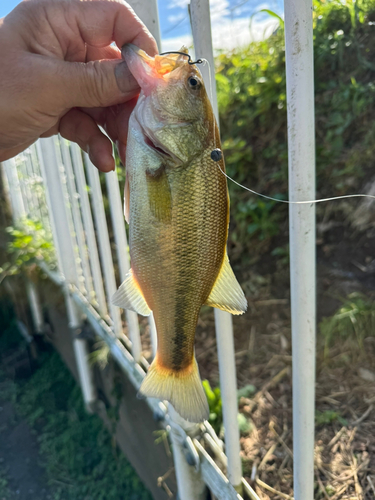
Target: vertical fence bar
[
  {"x": 15, "y": 193},
  {"x": 48, "y": 158},
  {"x": 118, "y": 225},
  {"x": 189, "y": 482},
  {"x": 104, "y": 243},
  {"x": 18, "y": 211},
  {"x": 301, "y": 153},
  {"x": 148, "y": 12},
  {"x": 201, "y": 28},
  {"x": 89, "y": 228},
  {"x": 39, "y": 189},
  {"x": 77, "y": 221},
  {"x": 35, "y": 307},
  {"x": 153, "y": 335}
]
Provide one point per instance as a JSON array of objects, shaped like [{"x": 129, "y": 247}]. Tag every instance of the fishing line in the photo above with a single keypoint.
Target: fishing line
[
  {"x": 216, "y": 154},
  {"x": 296, "y": 202}
]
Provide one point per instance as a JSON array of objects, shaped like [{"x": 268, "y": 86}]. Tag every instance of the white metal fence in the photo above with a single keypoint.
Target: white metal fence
[{"x": 85, "y": 272}]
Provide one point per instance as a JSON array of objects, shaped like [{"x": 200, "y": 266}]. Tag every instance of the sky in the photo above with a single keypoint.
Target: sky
[{"x": 230, "y": 21}]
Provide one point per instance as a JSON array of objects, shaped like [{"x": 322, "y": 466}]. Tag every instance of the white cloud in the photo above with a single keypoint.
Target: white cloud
[
  {"x": 181, "y": 4},
  {"x": 228, "y": 34}
]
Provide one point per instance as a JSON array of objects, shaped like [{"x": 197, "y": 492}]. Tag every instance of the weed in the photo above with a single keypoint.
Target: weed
[
  {"x": 354, "y": 319},
  {"x": 328, "y": 417}
]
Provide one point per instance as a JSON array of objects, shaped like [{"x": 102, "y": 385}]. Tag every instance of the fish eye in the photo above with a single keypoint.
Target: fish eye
[{"x": 193, "y": 82}]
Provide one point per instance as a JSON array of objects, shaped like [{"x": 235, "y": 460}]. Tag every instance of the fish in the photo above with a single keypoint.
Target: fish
[{"x": 177, "y": 206}]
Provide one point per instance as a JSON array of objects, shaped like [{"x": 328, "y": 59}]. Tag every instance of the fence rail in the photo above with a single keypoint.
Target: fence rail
[{"x": 85, "y": 261}]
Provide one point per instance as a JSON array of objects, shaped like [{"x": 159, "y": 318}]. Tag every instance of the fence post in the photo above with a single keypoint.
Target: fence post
[
  {"x": 189, "y": 481},
  {"x": 148, "y": 13},
  {"x": 301, "y": 154},
  {"x": 66, "y": 257},
  {"x": 201, "y": 27},
  {"x": 118, "y": 225},
  {"x": 104, "y": 243},
  {"x": 77, "y": 220},
  {"x": 89, "y": 229}
]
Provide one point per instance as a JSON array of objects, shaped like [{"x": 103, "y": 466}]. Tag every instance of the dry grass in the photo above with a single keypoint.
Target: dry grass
[{"x": 345, "y": 404}]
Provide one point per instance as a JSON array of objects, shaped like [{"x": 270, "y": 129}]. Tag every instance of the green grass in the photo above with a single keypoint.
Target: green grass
[{"x": 75, "y": 448}]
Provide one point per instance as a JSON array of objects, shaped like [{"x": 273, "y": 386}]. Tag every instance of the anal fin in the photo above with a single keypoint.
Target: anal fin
[
  {"x": 129, "y": 296},
  {"x": 227, "y": 294}
]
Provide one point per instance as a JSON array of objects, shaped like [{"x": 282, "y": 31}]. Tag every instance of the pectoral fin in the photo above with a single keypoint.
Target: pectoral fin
[
  {"x": 159, "y": 195},
  {"x": 226, "y": 293},
  {"x": 129, "y": 296}
]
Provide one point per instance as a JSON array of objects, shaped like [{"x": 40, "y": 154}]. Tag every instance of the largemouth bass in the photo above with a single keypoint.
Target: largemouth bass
[{"x": 177, "y": 206}]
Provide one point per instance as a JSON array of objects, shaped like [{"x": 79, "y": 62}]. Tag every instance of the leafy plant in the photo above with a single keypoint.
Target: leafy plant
[
  {"x": 215, "y": 405},
  {"x": 252, "y": 102},
  {"x": 327, "y": 417},
  {"x": 354, "y": 319},
  {"x": 29, "y": 242}
]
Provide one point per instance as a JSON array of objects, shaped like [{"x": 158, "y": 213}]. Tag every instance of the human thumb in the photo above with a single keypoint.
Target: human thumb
[{"x": 96, "y": 83}]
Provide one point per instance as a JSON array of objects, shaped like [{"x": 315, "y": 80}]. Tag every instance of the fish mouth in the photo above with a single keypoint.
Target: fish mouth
[{"x": 150, "y": 71}]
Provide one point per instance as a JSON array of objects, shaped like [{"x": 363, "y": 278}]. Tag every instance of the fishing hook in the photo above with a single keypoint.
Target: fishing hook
[{"x": 198, "y": 61}]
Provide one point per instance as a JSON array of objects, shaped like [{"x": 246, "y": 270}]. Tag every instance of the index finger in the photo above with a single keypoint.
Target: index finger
[
  {"x": 72, "y": 23},
  {"x": 101, "y": 22}
]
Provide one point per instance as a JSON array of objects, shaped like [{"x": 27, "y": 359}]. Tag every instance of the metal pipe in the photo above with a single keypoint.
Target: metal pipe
[
  {"x": 77, "y": 221},
  {"x": 16, "y": 200},
  {"x": 153, "y": 334},
  {"x": 35, "y": 307},
  {"x": 189, "y": 481},
  {"x": 118, "y": 224},
  {"x": 201, "y": 28},
  {"x": 301, "y": 153},
  {"x": 148, "y": 12},
  {"x": 18, "y": 211},
  {"x": 104, "y": 244},
  {"x": 66, "y": 257},
  {"x": 88, "y": 224}
]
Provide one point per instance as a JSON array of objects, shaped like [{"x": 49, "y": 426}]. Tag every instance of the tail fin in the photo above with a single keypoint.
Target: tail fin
[{"x": 183, "y": 389}]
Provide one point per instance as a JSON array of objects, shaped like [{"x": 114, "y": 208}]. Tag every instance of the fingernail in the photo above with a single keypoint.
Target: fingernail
[{"x": 125, "y": 80}]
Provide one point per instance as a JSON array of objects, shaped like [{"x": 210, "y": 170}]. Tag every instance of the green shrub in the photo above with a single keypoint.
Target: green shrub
[{"x": 251, "y": 86}]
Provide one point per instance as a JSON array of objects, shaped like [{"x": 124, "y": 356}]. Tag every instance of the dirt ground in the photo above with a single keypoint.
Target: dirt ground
[
  {"x": 345, "y": 373},
  {"x": 345, "y": 383}
]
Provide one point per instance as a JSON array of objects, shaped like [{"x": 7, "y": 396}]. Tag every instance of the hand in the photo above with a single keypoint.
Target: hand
[{"x": 60, "y": 73}]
